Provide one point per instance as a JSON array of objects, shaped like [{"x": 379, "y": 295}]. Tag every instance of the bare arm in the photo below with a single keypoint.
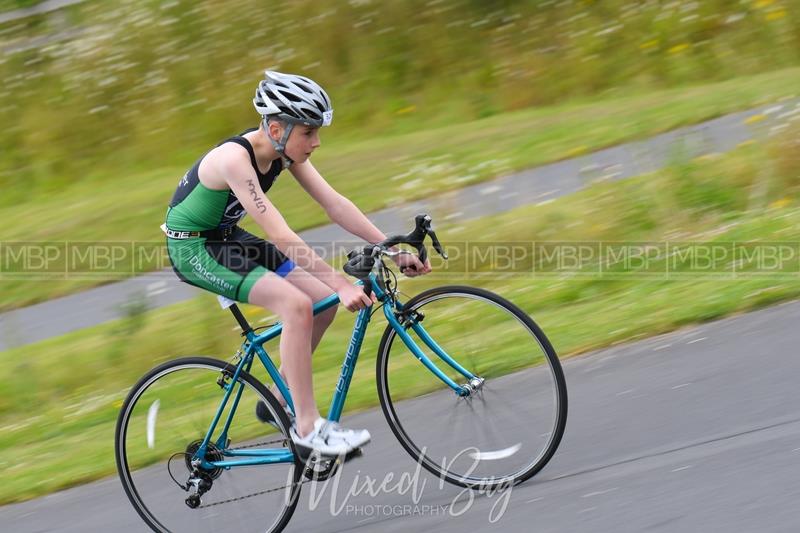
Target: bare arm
[
  {"x": 345, "y": 213},
  {"x": 242, "y": 180},
  {"x": 338, "y": 208}
]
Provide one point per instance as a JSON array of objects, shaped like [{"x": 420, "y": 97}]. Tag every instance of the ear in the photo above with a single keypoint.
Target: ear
[{"x": 274, "y": 129}]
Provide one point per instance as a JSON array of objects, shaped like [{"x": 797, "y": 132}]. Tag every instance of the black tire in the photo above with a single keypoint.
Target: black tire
[
  {"x": 422, "y": 438},
  {"x": 170, "y": 367}
]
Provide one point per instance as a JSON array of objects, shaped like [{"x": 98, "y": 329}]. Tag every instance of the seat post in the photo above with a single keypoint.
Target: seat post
[{"x": 243, "y": 323}]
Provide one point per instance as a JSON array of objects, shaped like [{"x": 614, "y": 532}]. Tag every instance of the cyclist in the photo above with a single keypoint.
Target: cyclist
[{"x": 285, "y": 276}]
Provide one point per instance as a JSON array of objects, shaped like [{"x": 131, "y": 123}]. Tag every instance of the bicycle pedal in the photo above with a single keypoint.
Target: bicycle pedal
[
  {"x": 306, "y": 454},
  {"x": 358, "y": 452}
]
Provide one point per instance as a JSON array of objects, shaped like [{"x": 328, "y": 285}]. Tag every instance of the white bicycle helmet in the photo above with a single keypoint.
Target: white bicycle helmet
[{"x": 294, "y": 100}]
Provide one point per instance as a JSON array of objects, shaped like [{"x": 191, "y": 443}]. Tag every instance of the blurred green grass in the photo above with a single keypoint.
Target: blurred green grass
[
  {"x": 379, "y": 172},
  {"x": 117, "y": 88},
  {"x": 59, "y": 398}
]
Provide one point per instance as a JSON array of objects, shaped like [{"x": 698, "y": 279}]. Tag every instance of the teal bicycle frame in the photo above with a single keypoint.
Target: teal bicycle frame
[{"x": 253, "y": 346}]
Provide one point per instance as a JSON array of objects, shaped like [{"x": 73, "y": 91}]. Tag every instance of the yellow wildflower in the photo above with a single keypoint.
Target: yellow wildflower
[
  {"x": 678, "y": 48},
  {"x": 754, "y": 119},
  {"x": 775, "y": 15},
  {"x": 578, "y": 150},
  {"x": 779, "y": 204}
]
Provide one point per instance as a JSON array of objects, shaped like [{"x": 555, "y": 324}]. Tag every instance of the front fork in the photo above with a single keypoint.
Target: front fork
[{"x": 401, "y": 320}]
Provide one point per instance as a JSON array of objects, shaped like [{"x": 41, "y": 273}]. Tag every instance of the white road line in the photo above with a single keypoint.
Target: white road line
[
  {"x": 548, "y": 193},
  {"x": 796, "y": 450},
  {"x": 534, "y": 500},
  {"x": 587, "y": 510},
  {"x": 681, "y": 386},
  {"x": 657, "y": 348},
  {"x": 681, "y": 468},
  {"x": 490, "y": 189},
  {"x": 599, "y": 492},
  {"x": 625, "y": 392},
  {"x": 697, "y": 340},
  {"x": 157, "y": 287}
]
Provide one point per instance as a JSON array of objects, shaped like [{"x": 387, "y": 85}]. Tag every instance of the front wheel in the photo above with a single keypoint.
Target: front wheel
[
  {"x": 511, "y": 423},
  {"x": 160, "y": 428}
]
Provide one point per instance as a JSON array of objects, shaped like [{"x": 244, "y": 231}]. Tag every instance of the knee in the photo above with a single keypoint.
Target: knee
[{"x": 298, "y": 310}]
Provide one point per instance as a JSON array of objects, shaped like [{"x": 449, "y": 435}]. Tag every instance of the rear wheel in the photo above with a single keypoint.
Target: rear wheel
[
  {"x": 159, "y": 431},
  {"x": 510, "y": 425}
]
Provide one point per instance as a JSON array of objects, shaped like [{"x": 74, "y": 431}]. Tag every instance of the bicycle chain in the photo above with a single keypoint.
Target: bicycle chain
[
  {"x": 276, "y": 441},
  {"x": 249, "y": 495},
  {"x": 260, "y": 493}
]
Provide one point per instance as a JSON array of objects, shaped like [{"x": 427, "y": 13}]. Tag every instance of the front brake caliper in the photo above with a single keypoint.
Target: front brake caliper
[
  {"x": 408, "y": 318},
  {"x": 223, "y": 378}
]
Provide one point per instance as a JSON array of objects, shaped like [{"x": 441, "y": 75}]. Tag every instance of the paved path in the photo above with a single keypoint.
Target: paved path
[
  {"x": 537, "y": 185},
  {"x": 697, "y": 430},
  {"x": 42, "y": 7}
]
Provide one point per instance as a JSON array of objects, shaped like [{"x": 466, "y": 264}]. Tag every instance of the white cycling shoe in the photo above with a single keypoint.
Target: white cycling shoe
[{"x": 329, "y": 439}]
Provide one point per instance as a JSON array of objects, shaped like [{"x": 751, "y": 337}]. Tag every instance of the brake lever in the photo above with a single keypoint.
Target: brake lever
[
  {"x": 436, "y": 244},
  {"x": 425, "y": 221},
  {"x": 417, "y": 239}
]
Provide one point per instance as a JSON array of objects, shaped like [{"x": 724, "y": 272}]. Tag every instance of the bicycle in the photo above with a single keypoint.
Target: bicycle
[{"x": 190, "y": 422}]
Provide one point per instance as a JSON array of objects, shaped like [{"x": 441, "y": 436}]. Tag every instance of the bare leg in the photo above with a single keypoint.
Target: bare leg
[
  {"x": 316, "y": 290},
  {"x": 294, "y": 309}
]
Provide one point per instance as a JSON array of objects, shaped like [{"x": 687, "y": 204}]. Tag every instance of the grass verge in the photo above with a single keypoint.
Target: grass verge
[{"x": 381, "y": 172}]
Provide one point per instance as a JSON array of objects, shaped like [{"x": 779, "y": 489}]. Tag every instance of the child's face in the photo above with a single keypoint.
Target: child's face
[{"x": 303, "y": 140}]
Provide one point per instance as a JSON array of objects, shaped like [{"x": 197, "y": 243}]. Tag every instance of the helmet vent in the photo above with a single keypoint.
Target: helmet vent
[
  {"x": 291, "y": 96},
  {"x": 289, "y": 112}
]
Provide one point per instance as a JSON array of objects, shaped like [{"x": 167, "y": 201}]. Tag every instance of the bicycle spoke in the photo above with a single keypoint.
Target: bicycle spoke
[
  {"x": 256, "y": 498},
  {"x": 495, "y": 434}
]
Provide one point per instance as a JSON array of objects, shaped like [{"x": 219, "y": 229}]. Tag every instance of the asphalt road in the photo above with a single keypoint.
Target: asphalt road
[
  {"x": 43, "y": 7},
  {"x": 697, "y": 430},
  {"x": 543, "y": 184}
]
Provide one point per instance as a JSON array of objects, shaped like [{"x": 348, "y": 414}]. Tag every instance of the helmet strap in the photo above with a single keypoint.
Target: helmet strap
[{"x": 280, "y": 146}]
